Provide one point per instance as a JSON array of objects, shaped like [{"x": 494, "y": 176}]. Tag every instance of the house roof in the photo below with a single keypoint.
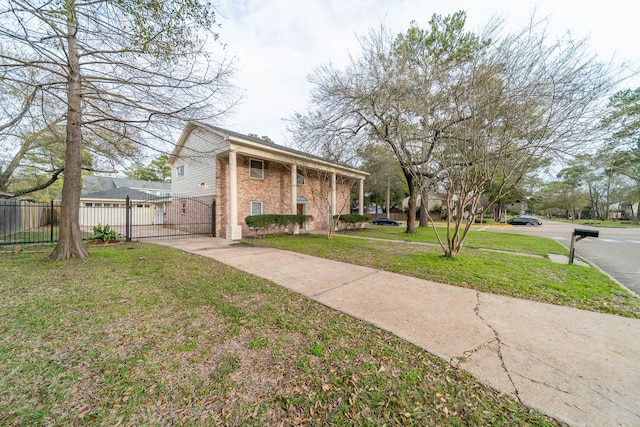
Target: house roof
[
  {"x": 120, "y": 193},
  {"x": 257, "y": 143},
  {"x": 92, "y": 184}
]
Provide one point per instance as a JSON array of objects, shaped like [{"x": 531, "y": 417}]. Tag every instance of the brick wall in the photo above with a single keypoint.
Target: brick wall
[{"x": 275, "y": 192}]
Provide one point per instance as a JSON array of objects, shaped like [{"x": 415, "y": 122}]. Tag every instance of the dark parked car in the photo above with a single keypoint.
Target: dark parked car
[
  {"x": 528, "y": 221},
  {"x": 383, "y": 220}
]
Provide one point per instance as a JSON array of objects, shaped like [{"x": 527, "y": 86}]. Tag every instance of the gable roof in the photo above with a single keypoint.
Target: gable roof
[
  {"x": 92, "y": 184},
  {"x": 120, "y": 193},
  {"x": 254, "y": 142}
]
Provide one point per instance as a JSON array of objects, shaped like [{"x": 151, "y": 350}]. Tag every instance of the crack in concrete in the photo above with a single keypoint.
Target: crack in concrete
[
  {"x": 499, "y": 345},
  {"x": 357, "y": 279},
  {"x": 575, "y": 379},
  {"x": 544, "y": 383},
  {"x": 456, "y": 360}
]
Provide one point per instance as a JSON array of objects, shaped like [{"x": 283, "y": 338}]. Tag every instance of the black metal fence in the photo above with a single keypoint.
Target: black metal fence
[
  {"x": 27, "y": 222},
  {"x": 134, "y": 219}
]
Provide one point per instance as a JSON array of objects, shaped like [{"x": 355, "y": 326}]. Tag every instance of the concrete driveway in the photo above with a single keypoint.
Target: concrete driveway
[{"x": 615, "y": 251}]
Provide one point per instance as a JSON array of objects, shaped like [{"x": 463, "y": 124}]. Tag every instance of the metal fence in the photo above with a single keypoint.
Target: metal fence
[
  {"x": 28, "y": 222},
  {"x": 134, "y": 219}
]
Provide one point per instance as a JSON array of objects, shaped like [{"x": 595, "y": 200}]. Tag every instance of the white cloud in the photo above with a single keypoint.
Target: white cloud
[{"x": 279, "y": 42}]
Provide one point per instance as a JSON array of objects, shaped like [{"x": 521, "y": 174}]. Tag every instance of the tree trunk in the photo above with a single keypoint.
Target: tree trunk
[
  {"x": 498, "y": 212},
  {"x": 413, "y": 195},
  {"x": 70, "y": 244},
  {"x": 388, "y": 204},
  {"x": 424, "y": 207}
]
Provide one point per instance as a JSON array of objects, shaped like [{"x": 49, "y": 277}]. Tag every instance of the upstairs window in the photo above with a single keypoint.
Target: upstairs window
[
  {"x": 180, "y": 170},
  {"x": 300, "y": 179},
  {"x": 256, "y": 169}
]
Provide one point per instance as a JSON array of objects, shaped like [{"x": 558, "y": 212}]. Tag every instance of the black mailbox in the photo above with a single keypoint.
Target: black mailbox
[{"x": 581, "y": 232}]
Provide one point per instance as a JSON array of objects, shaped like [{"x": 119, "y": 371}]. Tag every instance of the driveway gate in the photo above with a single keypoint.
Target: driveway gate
[{"x": 170, "y": 217}]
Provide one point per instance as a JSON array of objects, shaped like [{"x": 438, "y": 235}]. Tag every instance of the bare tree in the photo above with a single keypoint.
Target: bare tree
[
  {"x": 467, "y": 112},
  {"x": 392, "y": 94},
  {"x": 523, "y": 100},
  {"x": 385, "y": 181},
  {"x": 322, "y": 186},
  {"x": 122, "y": 71}
]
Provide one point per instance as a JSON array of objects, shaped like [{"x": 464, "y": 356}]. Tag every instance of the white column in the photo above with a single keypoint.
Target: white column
[
  {"x": 234, "y": 231},
  {"x": 333, "y": 194},
  {"x": 361, "y": 198},
  {"x": 294, "y": 189},
  {"x": 294, "y": 195}
]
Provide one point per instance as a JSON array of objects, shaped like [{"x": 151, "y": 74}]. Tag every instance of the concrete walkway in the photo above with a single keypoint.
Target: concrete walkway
[{"x": 580, "y": 367}]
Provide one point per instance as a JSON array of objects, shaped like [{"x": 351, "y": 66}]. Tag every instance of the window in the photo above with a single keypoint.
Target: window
[
  {"x": 89, "y": 205},
  {"x": 256, "y": 169},
  {"x": 184, "y": 208},
  {"x": 180, "y": 170},
  {"x": 257, "y": 208},
  {"x": 300, "y": 179}
]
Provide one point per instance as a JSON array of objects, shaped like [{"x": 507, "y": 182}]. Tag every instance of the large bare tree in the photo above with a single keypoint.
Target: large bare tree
[
  {"x": 525, "y": 99},
  {"x": 121, "y": 71},
  {"x": 393, "y": 93},
  {"x": 466, "y": 112}
]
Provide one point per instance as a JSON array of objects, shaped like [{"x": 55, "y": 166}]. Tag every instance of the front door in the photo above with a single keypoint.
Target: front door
[{"x": 300, "y": 208}]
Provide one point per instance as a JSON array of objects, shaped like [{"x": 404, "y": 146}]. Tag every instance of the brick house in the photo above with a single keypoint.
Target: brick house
[{"x": 240, "y": 175}]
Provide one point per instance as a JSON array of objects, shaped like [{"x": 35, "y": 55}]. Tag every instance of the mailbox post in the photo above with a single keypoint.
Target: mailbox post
[{"x": 579, "y": 234}]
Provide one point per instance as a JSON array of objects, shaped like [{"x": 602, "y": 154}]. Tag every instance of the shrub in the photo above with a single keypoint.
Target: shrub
[
  {"x": 350, "y": 220},
  {"x": 105, "y": 234},
  {"x": 275, "y": 222}
]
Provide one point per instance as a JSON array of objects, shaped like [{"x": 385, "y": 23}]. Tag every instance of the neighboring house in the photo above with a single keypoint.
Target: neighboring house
[
  {"x": 94, "y": 184},
  {"x": 241, "y": 175},
  {"x": 107, "y": 207},
  {"x": 103, "y": 201},
  {"x": 621, "y": 210},
  {"x": 436, "y": 200}
]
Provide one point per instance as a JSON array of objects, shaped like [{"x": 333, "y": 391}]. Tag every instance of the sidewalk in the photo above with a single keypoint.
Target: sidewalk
[{"x": 580, "y": 367}]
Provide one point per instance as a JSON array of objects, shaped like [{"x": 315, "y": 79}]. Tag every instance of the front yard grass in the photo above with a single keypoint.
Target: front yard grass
[
  {"x": 476, "y": 239},
  {"x": 615, "y": 223},
  {"x": 140, "y": 334},
  {"x": 516, "y": 275}
]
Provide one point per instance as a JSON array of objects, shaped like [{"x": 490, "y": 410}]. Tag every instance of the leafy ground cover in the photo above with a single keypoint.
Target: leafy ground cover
[
  {"x": 146, "y": 335},
  {"x": 531, "y": 277}
]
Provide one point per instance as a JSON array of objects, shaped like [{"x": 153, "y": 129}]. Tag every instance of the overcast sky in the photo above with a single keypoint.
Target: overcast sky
[{"x": 277, "y": 43}]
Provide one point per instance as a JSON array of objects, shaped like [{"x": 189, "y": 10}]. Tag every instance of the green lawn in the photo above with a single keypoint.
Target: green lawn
[
  {"x": 475, "y": 239},
  {"x": 599, "y": 223},
  {"x": 529, "y": 277},
  {"x": 146, "y": 335}
]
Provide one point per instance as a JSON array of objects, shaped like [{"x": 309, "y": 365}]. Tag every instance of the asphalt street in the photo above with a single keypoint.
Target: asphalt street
[{"x": 616, "y": 250}]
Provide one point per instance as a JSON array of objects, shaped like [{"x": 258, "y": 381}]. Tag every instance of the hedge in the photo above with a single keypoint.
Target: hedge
[
  {"x": 349, "y": 220},
  {"x": 275, "y": 221}
]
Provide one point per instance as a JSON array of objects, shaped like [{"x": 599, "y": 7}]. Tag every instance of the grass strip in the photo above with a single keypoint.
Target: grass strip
[{"x": 475, "y": 240}]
